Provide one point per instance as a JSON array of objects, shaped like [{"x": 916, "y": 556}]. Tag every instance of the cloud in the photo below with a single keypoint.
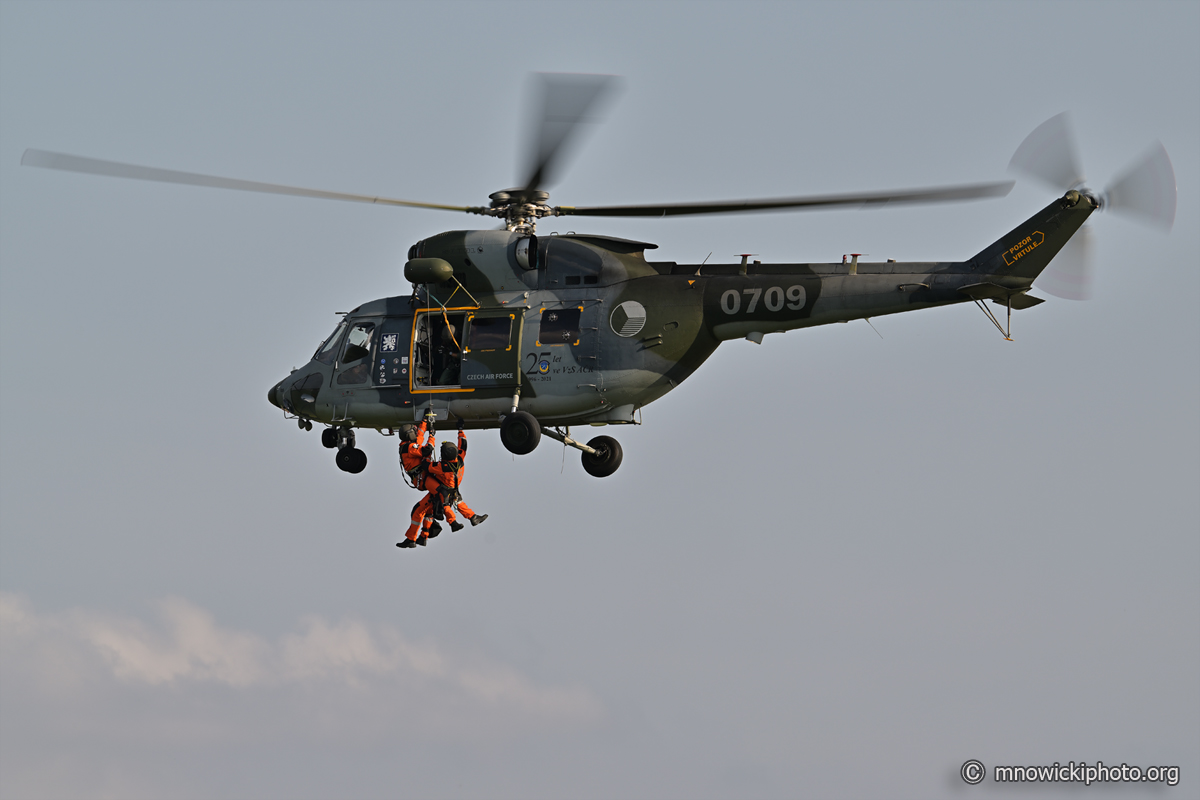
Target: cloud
[{"x": 188, "y": 648}]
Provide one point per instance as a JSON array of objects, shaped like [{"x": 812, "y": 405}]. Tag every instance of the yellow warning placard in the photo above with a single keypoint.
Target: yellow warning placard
[{"x": 1022, "y": 248}]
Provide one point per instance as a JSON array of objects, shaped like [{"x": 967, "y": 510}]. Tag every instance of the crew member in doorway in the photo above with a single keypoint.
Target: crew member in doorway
[{"x": 447, "y": 359}]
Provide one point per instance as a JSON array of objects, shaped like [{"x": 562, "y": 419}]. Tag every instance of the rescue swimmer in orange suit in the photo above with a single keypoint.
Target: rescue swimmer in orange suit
[
  {"x": 415, "y": 455},
  {"x": 449, "y": 475},
  {"x": 442, "y": 483}
]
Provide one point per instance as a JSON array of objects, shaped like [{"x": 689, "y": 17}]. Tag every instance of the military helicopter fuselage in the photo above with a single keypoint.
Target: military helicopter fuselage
[
  {"x": 531, "y": 333},
  {"x": 505, "y": 329}
]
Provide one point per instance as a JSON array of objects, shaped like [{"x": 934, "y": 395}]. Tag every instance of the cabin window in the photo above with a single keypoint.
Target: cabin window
[
  {"x": 559, "y": 326},
  {"x": 490, "y": 333}
]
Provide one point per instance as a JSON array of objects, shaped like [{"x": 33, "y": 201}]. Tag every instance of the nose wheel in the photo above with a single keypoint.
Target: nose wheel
[
  {"x": 352, "y": 460},
  {"x": 349, "y": 458}
]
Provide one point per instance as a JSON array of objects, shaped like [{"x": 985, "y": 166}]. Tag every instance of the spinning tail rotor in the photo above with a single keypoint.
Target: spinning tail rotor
[{"x": 1145, "y": 192}]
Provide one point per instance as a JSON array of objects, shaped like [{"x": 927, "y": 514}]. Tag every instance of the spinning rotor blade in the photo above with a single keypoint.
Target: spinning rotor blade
[
  {"x": 567, "y": 101},
  {"x": 1146, "y": 190},
  {"x": 94, "y": 166},
  {"x": 1069, "y": 274},
  {"x": 942, "y": 194},
  {"x": 1049, "y": 154}
]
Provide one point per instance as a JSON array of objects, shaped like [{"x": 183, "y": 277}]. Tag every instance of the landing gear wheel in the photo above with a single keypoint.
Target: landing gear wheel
[
  {"x": 607, "y": 458},
  {"x": 520, "y": 432},
  {"x": 352, "y": 460},
  {"x": 304, "y": 424},
  {"x": 329, "y": 437}
]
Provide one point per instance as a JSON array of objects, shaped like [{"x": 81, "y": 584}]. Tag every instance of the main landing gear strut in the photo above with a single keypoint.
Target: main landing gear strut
[
  {"x": 349, "y": 458},
  {"x": 521, "y": 432}
]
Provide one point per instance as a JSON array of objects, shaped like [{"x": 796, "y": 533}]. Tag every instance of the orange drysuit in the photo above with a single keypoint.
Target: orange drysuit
[
  {"x": 449, "y": 477},
  {"x": 422, "y": 517},
  {"x": 413, "y": 460},
  {"x": 442, "y": 483}
]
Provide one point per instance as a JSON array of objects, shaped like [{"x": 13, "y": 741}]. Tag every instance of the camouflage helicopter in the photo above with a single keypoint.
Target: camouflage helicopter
[{"x": 533, "y": 334}]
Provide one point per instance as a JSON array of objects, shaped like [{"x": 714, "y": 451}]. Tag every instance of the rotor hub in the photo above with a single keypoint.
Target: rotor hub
[{"x": 520, "y": 208}]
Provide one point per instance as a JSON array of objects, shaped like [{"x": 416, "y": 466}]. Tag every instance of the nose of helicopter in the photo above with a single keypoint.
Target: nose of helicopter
[{"x": 273, "y": 395}]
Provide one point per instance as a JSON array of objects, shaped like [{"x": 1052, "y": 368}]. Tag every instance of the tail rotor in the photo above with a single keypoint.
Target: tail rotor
[{"x": 1145, "y": 192}]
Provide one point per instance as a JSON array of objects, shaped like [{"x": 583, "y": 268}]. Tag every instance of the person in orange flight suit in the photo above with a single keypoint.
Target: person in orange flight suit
[
  {"x": 449, "y": 475},
  {"x": 442, "y": 482},
  {"x": 415, "y": 455},
  {"x": 412, "y": 443}
]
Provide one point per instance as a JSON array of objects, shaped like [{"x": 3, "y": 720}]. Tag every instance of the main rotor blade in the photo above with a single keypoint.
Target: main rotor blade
[
  {"x": 1049, "y": 154},
  {"x": 567, "y": 102},
  {"x": 1147, "y": 189},
  {"x": 95, "y": 166},
  {"x": 1069, "y": 274},
  {"x": 944, "y": 194}
]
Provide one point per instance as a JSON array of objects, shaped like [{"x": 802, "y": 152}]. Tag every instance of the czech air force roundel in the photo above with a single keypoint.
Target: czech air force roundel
[{"x": 628, "y": 318}]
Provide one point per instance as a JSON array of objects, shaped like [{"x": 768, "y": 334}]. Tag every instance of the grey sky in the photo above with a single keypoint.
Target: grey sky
[{"x": 830, "y": 566}]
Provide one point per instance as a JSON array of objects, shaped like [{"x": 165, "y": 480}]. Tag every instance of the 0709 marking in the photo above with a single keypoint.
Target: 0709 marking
[{"x": 774, "y": 299}]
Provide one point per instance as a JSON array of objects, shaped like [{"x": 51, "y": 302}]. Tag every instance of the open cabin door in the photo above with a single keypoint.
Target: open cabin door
[{"x": 463, "y": 349}]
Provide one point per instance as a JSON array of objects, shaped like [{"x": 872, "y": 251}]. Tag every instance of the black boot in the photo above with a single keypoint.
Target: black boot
[
  {"x": 456, "y": 526},
  {"x": 421, "y": 539},
  {"x": 406, "y": 543},
  {"x": 478, "y": 519}
]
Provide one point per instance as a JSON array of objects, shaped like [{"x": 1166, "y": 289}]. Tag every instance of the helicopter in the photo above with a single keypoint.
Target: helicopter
[{"x": 532, "y": 334}]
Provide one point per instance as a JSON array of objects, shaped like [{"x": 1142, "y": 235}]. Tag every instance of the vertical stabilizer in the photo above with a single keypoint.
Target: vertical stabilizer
[{"x": 1026, "y": 250}]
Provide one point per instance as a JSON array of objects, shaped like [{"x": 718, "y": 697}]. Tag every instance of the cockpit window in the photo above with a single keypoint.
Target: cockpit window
[
  {"x": 328, "y": 349},
  {"x": 354, "y": 367},
  {"x": 358, "y": 342}
]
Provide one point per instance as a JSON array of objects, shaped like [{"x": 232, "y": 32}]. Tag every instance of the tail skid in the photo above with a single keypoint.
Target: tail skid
[{"x": 1010, "y": 298}]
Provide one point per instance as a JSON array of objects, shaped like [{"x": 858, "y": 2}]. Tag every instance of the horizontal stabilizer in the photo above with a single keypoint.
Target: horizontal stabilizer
[
  {"x": 1022, "y": 301},
  {"x": 1001, "y": 295}
]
